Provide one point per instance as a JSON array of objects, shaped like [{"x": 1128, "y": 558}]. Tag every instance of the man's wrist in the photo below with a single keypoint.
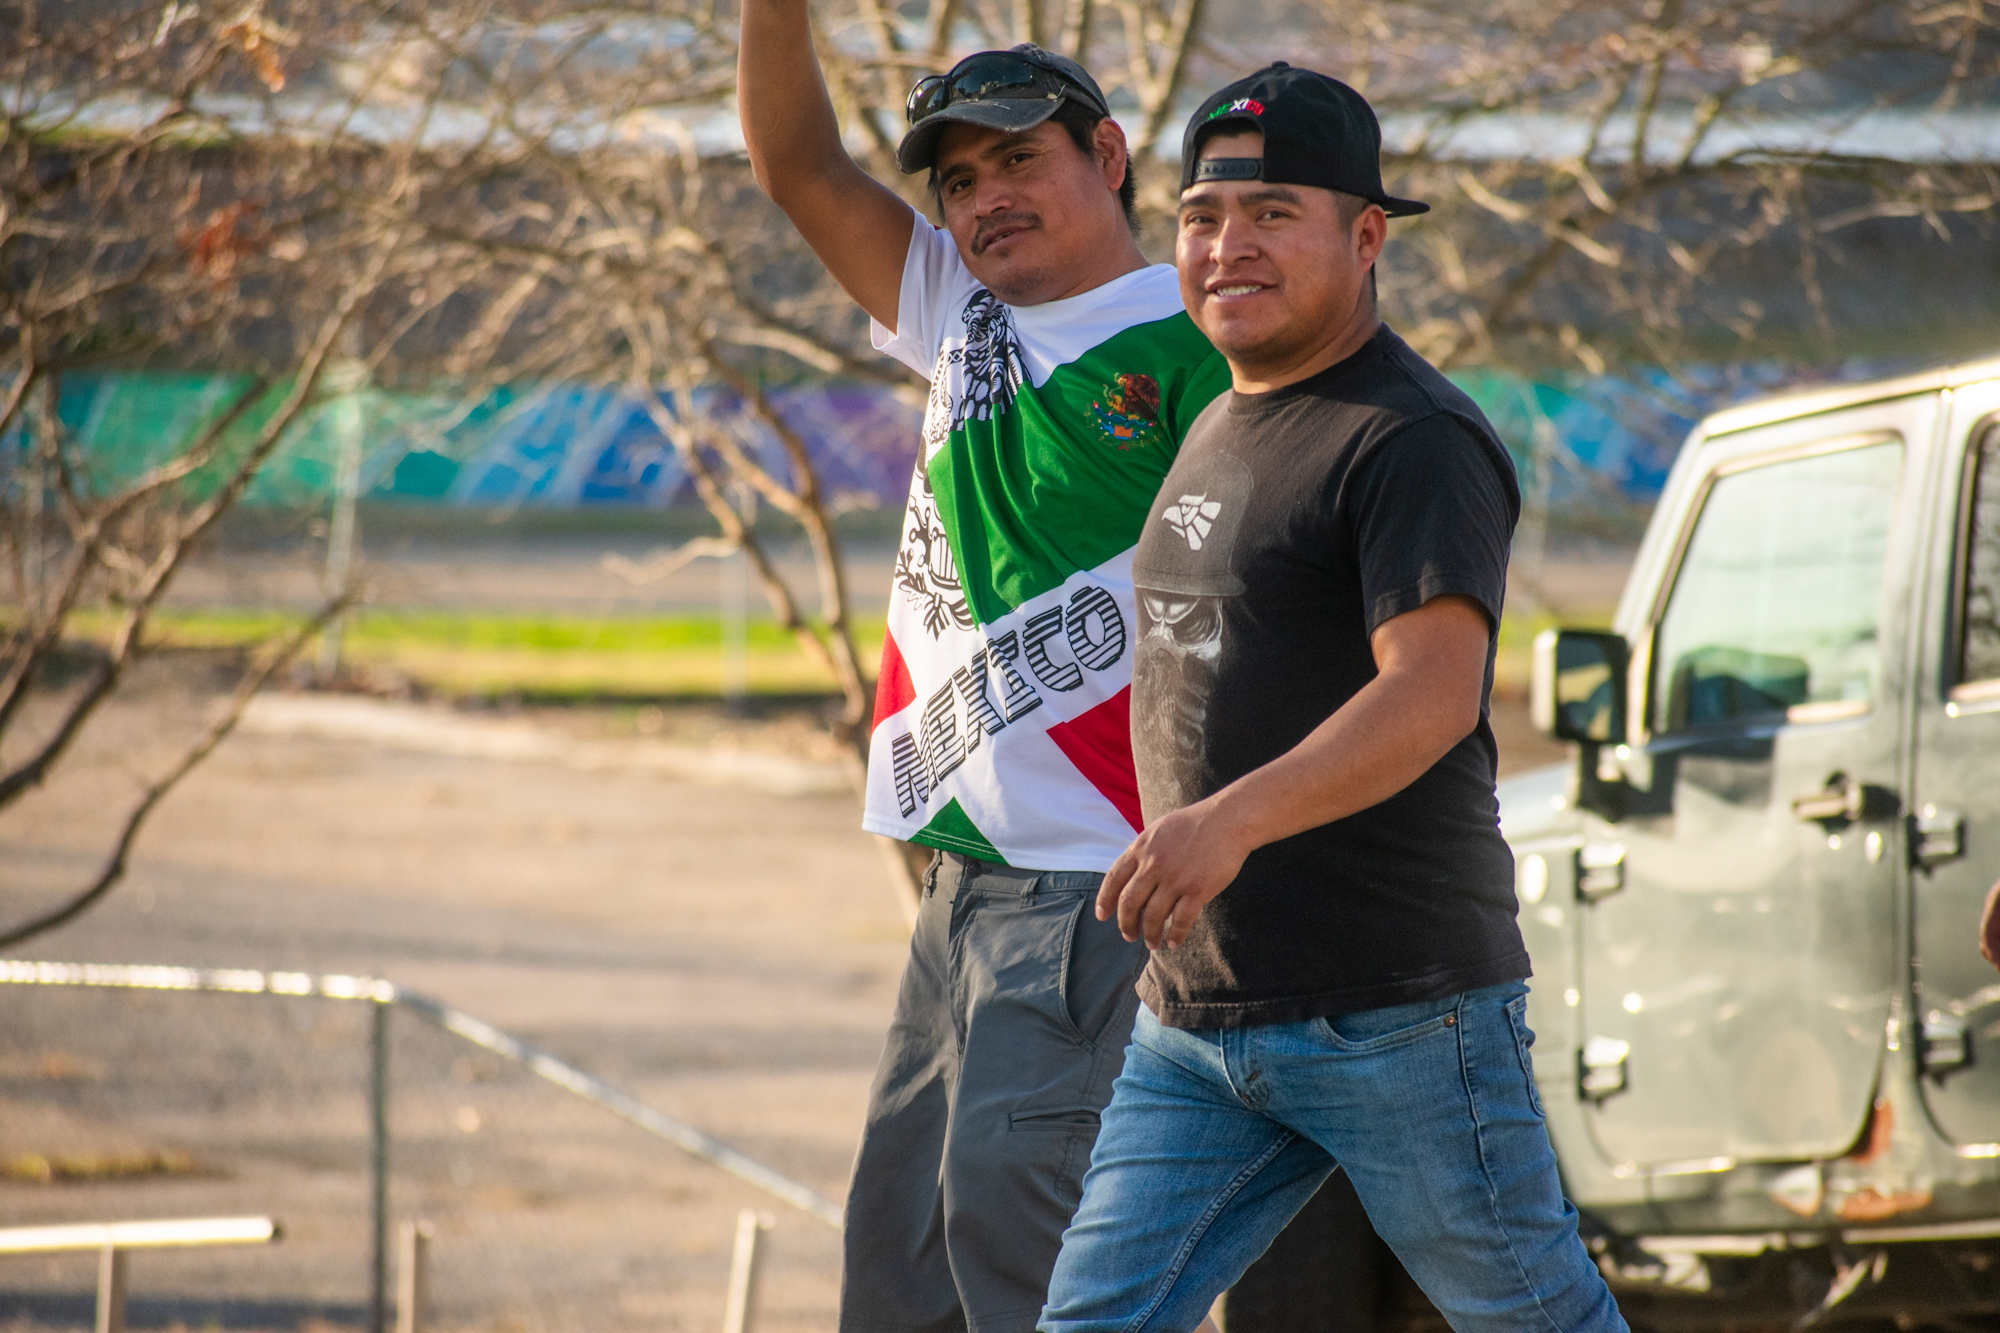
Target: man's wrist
[{"x": 1237, "y": 819}]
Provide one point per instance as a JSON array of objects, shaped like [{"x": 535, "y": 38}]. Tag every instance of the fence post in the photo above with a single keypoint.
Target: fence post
[
  {"x": 349, "y": 378},
  {"x": 743, "y": 1271},
  {"x": 413, "y": 1276},
  {"x": 378, "y": 1127},
  {"x": 111, "y": 1290}
]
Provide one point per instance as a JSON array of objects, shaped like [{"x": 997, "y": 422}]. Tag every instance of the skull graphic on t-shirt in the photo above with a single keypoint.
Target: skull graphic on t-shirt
[
  {"x": 1185, "y": 583},
  {"x": 1175, "y": 667}
]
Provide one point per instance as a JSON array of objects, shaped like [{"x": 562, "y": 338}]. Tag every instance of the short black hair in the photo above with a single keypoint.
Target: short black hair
[
  {"x": 1348, "y": 207},
  {"x": 1080, "y": 122}
]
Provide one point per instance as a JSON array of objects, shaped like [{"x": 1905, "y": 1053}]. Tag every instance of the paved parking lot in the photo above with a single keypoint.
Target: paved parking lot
[
  {"x": 726, "y": 951},
  {"x": 727, "y": 954}
]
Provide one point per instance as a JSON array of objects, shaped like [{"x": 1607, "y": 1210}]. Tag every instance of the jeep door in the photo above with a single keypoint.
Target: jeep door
[
  {"x": 1739, "y": 949},
  {"x": 1955, "y": 814}
]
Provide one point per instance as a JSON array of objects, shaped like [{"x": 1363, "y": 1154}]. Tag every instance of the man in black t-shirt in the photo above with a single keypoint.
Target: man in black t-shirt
[{"x": 1336, "y": 976}]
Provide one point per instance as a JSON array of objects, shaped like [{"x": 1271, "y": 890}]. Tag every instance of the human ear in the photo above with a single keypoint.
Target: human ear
[
  {"x": 1113, "y": 156},
  {"x": 1371, "y": 233}
]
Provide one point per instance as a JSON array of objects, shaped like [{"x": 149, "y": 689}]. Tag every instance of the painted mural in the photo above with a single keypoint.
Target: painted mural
[{"x": 579, "y": 446}]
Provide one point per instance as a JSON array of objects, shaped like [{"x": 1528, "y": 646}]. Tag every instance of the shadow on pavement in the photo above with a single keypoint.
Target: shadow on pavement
[{"x": 66, "y": 1310}]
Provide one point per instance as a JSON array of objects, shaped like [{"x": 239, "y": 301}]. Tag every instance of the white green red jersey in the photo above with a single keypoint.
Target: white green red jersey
[{"x": 1002, "y": 720}]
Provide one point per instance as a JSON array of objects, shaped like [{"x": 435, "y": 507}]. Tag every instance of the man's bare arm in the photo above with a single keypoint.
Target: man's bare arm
[
  {"x": 1430, "y": 669},
  {"x": 858, "y": 227}
]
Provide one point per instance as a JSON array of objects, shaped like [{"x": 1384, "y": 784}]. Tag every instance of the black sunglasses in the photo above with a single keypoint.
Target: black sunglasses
[{"x": 987, "y": 75}]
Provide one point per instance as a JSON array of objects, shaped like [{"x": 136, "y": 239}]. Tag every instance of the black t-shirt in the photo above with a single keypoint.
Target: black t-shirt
[{"x": 1292, "y": 524}]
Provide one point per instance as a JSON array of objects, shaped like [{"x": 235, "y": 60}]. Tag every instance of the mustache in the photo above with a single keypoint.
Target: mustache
[{"x": 987, "y": 226}]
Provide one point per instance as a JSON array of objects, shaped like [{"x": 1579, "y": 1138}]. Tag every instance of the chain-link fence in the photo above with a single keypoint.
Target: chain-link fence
[{"x": 341, "y": 1106}]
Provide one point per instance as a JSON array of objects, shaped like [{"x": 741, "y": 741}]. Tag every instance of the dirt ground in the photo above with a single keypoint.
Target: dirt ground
[{"x": 728, "y": 954}]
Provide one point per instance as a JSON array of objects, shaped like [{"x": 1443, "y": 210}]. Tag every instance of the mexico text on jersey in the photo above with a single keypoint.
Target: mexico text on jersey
[{"x": 1001, "y": 725}]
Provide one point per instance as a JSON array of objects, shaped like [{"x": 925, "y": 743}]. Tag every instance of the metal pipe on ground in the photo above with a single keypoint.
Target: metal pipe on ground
[
  {"x": 413, "y": 1276},
  {"x": 247, "y": 981},
  {"x": 111, "y": 1290},
  {"x": 750, "y": 1224},
  {"x": 378, "y": 1166},
  {"x": 382, "y": 995},
  {"x": 112, "y": 1239}
]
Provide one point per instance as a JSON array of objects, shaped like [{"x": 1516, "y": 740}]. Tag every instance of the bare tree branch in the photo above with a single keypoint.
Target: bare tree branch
[{"x": 120, "y": 859}]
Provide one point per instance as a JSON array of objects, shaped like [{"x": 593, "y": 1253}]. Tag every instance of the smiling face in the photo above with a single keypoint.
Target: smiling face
[
  {"x": 1274, "y": 274},
  {"x": 1036, "y": 218}
]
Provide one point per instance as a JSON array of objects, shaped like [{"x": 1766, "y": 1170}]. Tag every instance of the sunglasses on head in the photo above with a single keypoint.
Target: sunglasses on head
[{"x": 988, "y": 75}]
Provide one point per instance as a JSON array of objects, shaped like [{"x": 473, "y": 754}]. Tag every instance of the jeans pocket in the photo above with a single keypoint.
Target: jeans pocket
[
  {"x": 1524, "y": 1040},
  {"x": 1396, "y": 1025}
]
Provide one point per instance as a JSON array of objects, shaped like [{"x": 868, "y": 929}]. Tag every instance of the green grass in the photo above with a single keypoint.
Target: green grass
[
  {"x": 552, "y": 634},
  {"x": 547, "y": 656},
  {"x": 581, "y": 657}
]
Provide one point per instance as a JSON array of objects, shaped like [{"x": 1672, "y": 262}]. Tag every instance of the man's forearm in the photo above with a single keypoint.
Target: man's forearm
[
  {"x": 788, "y": 121},
  {"x": 858, "y": 227},
  {"x": 1379, "y": 742},
  {"x": 1425, "y": 698}
]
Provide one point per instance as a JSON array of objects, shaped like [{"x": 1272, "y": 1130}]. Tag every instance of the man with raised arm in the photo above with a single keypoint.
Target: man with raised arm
[{"x": 1063, "y": 372}]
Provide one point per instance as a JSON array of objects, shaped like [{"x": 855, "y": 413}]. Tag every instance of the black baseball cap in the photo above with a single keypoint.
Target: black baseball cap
[
  {"x": 1010, "y": 90},
  {"x": 1317, "y": 131}
]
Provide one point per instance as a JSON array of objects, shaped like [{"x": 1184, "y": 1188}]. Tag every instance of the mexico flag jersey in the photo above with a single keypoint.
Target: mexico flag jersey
[{"x": 1002, "y": 719}]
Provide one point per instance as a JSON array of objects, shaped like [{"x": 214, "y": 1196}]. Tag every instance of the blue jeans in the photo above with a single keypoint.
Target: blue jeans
[{"x": 1214, "y": 1139}]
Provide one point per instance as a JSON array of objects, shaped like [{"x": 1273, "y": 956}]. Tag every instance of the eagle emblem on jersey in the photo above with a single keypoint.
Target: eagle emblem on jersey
[
  {"x": 925, "y": 569},
  {"x": 978, "y": 380},
  {"x": 992, "y": 361},
  {"x": 1128, "y": 411}
]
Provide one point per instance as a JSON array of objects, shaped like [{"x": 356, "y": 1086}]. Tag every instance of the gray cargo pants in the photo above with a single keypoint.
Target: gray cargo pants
[{"x": 1011, "y": 1024}]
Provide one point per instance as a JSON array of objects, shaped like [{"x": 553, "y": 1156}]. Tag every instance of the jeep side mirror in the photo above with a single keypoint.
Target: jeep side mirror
[{"x": 1578, "y": 686}]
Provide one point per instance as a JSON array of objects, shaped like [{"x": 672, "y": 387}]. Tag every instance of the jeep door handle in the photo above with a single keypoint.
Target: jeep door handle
[
  {"x": 1843, "y": 798},
  {"x": 1944, "y": 1045},
  {"x": 1936, "y": 836},
  {"x": 1601, "y": 1068}
]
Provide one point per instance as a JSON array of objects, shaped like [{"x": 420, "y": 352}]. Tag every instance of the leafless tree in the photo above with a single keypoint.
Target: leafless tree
[
  {"x": 1672, "y": 191},
  {"x": 1607, "y": 173},
  {"x": 467, "y": 194},
  {"x": 127, "y": 233},
  {"x": 606, "y": 246},
  {"x": 460, "y": 195},
  {"x": 602, "y": 244}
]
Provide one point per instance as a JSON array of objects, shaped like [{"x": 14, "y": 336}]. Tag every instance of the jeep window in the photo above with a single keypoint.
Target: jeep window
[
  {"x": 1774, "y": 611},
  {"x": 1979, "y": 651}
]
